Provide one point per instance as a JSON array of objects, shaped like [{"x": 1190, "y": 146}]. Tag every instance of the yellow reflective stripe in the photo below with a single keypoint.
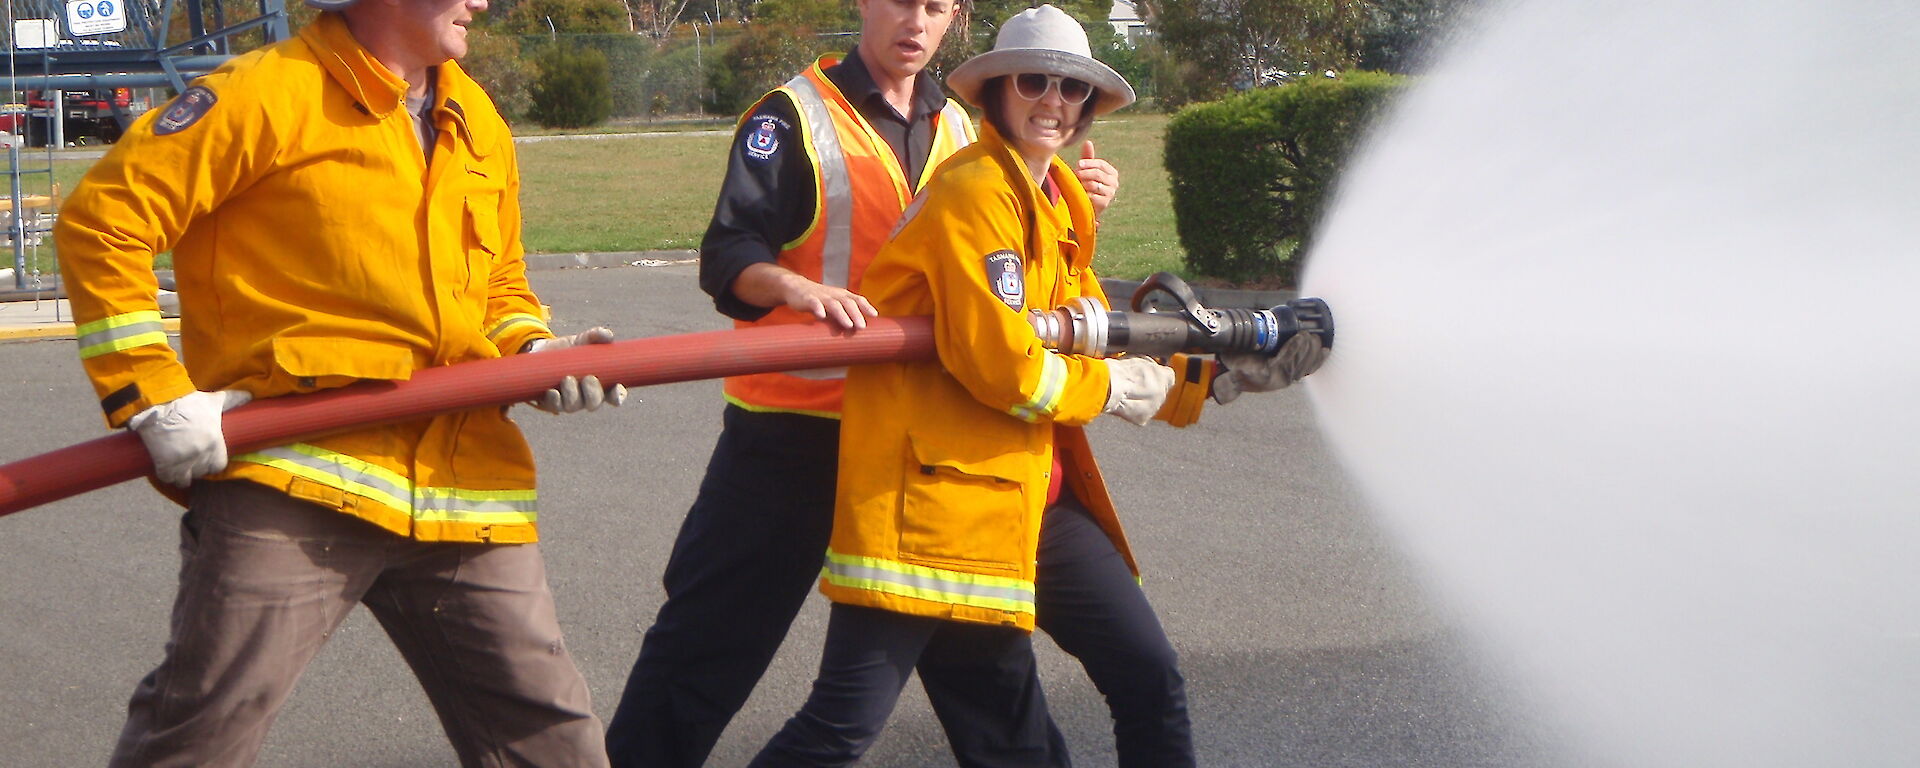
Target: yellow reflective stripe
[
  {"x": 338, "y": 471},
  {"x": 931, "y": 584},
  {"x": 518, "y": 318},
  {"x": 125, "y": 331},
  {"x": 372, "y": 481},
  {"x": 1046, "y": 396},
  {"x": 484, "y": 507},
  {"x": 955, "y": 133}
]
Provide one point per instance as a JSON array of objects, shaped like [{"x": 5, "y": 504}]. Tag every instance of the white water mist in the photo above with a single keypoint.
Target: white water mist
[{"x": 1628, "y": 359}]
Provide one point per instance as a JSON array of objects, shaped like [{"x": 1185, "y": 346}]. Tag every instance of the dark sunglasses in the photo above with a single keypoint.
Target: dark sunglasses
[{"x": 1033, "y": 86}]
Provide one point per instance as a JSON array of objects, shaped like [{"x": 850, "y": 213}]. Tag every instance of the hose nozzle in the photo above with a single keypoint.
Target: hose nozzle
[{"x": 1087, "y": 328}]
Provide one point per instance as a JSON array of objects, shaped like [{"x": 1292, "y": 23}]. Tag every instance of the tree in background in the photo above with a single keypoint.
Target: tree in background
[
  {"x": 1225, "y": 45},
  {"x": 783, "y": 37},
  {"x": 655, "y": 18},
  {"x": 817, "y": 15},
  {"x": 1400, "y": 35},
  {"x": 532, "y": 17}
]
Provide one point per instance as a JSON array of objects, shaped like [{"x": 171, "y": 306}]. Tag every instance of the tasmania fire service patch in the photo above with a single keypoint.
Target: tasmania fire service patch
[
  {"x": 1005, "y": 279},
  {"x": 186, "y": 109},
  {"x": 764, "y": 141}
]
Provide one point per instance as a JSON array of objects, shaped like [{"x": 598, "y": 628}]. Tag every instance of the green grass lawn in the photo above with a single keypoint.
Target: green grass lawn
[
  {"x": 633, "y": 193},
  {"x": 623, "y": 194}
]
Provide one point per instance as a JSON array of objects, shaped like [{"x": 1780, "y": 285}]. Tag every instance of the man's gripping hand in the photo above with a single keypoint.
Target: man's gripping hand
[
  {"x": 574, "y": 394},
  {"x": 183, "y": 436}
]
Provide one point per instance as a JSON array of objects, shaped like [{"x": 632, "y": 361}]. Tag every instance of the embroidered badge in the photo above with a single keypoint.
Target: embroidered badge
[
  {"x": 1004, "y": 278},
  {"x": 764, "y": 140},
  {"x": 186, "y": 109}
]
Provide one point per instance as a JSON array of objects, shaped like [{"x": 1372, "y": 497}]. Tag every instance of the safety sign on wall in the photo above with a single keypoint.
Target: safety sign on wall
[{"x": 95, "y": 17}]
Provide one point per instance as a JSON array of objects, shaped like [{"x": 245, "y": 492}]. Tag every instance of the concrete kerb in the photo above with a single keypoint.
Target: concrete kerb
[{"x": 42, "y": 323}]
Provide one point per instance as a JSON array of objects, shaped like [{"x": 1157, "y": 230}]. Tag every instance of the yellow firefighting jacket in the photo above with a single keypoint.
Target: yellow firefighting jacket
[
  {"x": 944, "y": 465},
  {"x": 315, "y": 246},
  {"x": 859, "y": 191}
]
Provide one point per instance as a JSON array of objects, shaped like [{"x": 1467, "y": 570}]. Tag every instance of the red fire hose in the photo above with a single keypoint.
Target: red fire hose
[{"x": 638, "y": 362}]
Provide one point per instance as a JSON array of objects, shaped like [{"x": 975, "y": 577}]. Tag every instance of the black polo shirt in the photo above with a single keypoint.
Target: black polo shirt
[{"x": 767, "y": 198}]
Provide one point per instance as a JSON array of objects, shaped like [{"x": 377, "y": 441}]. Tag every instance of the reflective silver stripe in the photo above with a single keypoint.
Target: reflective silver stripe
[
  {"x": 836, "y": 247},
  {"x": 361, "y": 478},
  {"x": 1047, "y": 393},
  {"x": 483, "y": 507},
  {"x": 956, "y": 123},
  {"x": 515, "y": 320},
  {"x": 133, "y": 329},
  {"x": 925, "y": 583},
  {"x": 338, "y": 471},
  {"x": 836, "y": 253}
]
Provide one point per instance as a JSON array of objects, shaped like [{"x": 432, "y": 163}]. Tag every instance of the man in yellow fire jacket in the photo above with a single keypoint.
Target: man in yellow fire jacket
[{"x": 342, "y": 206}]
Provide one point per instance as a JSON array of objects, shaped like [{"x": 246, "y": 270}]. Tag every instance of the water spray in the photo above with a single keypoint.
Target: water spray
[{"x": 1085, "y": 327}]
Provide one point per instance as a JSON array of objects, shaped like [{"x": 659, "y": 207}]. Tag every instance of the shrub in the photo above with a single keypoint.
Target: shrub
[
  {"x": 759, "y": 60},
  {"x": 674, "y": 80},
  {"x": 629, "y": 58},
  {"x": 572, "y": 91},
  {"x": 495, "y": 62},
  {"x": 1250, "y": 174}
]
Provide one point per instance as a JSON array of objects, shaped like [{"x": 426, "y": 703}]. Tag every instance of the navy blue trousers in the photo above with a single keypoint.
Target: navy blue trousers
[{"x": 750, "y": 551}]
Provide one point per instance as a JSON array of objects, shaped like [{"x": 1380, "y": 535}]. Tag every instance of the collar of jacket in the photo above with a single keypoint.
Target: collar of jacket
[
  {"x": 855, "y": 81},
  {"x": 370, "y": 83},
  {"x": 1079, "y": 208},
  {"x": 374, "y": 87}
]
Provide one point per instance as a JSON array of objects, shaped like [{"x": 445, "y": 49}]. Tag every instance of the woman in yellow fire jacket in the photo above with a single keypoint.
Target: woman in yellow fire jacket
[{"x": 969, "y": 508}]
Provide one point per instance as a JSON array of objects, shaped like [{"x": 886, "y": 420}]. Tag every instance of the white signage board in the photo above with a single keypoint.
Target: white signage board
[
  {"x": 35, "y": 33},
  {"x": 95, "y": 17}
]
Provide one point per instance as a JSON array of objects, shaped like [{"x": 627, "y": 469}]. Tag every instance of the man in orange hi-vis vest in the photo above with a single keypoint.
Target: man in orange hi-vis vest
[{"x": 818, "y": 174}]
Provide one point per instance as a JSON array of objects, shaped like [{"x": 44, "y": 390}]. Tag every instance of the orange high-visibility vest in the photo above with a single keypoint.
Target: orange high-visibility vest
[{"x": 859, "y": 193}]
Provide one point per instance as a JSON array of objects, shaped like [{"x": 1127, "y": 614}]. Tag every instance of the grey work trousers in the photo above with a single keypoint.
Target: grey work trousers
[{"x": 265, "y": 579}]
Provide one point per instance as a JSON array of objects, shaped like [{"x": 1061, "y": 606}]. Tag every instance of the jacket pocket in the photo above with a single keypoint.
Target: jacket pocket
[
  {"x": 963, "y": 505},
  {"x": 483, "y": 241},
  {"x": 322, "y": 363}
]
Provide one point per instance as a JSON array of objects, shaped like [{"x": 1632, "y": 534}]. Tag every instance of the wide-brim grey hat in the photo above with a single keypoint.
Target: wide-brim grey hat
[
  {"x": 1044, "y": 40},
  {"x": 330, "y": 5}
]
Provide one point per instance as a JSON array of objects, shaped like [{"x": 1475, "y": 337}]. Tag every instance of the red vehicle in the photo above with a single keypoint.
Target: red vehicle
[{"x": 92, "y": 116}]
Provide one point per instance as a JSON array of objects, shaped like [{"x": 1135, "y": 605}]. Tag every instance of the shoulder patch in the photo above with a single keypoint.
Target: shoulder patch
[
  {"x": 762, "y": 142},
  {"x": 1006, "y": 279},
  {"x": 185, "y": 110}
]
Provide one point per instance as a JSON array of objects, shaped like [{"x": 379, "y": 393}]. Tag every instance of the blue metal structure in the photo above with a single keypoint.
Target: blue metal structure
[{"x": 148, "y": 52}]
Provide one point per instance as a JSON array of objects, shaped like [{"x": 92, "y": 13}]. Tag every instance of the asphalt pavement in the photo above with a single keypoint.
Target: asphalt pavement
[{"x": 1305, "y": 638}]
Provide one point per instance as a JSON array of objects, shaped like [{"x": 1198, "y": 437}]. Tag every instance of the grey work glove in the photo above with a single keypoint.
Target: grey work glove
[
  {"x": 1297, "y": 358},
  {"x": 183, "y": 436},
  {"x": 574, "y": 394},
  {"x": 1136, "y": 388}
]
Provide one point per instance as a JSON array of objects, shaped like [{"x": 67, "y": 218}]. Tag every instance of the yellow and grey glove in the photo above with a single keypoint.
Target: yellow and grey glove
[
  {"x": 574, "y": 394},
  {"x": 1300, "y": 356},
  {"x": 1136, "y": 388},
  {"x": 183, "y": 436}
]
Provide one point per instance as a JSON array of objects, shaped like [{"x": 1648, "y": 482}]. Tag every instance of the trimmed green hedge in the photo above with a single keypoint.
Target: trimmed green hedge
[{"x": 1250, "y": 173}]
